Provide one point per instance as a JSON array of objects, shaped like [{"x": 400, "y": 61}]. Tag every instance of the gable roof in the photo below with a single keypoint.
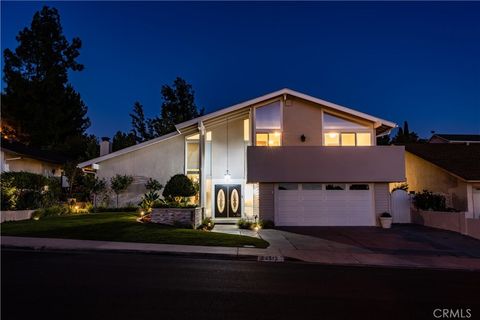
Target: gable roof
[
  {"x": 33, "y": 153},
  {"x": 458, "y": 137},
  {"x": 460, "y": 159},
  {"x": 381, "y": 125}
]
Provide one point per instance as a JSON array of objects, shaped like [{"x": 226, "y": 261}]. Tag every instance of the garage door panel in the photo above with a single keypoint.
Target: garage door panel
[{"x": 324, "y": 208}]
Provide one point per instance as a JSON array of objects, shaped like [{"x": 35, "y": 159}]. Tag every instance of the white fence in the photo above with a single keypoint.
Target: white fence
[{"x": 401, "y": 206}]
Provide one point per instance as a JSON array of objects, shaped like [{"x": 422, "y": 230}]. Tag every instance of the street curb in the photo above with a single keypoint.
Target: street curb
[{"x": 221, "y": 256}]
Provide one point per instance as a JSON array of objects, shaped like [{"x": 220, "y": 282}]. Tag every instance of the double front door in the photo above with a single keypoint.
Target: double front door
[{"x": 227, "y": 201}]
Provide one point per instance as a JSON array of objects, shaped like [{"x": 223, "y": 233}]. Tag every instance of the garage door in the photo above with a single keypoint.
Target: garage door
[{"x": 320, "y": 204}]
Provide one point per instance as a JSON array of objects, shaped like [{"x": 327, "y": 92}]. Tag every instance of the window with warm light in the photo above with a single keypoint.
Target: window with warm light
[
  {"x": 348, "y": 139},
  {"x": 268, "y": 139},
  {"x": 364, "y": 139},
  {"x": 332, "y": 139}
]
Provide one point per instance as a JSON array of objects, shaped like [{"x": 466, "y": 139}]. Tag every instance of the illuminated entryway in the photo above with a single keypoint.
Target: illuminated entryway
[{"x": 228, "y": 202}]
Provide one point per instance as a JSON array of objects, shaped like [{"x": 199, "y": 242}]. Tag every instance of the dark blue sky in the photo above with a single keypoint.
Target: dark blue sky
[{"x": 411, "y": 61}]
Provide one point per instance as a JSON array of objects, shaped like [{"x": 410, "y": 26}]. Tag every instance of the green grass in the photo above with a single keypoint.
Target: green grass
[{"x": 121, "y": 227}]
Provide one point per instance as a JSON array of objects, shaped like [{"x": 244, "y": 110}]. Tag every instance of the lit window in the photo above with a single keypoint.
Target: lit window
[
  {"x": 348, "y": 139},
  {"x": 271, "y": 139},
  {"x": 268, "y": 117},
  {"x": 193, "y": 157},
  {"x": 364, "y": 139},
  {"x": 246, "y": 130},
  {"x": 332, "y": 139}
]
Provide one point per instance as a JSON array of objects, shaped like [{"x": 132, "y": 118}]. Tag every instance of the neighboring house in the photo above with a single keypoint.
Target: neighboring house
[
  {"x": 284, "y": 156},
  {"x": 455, "y": 138},
  {"x": 19, "y": 157},
  {"x": 450, "y": 169}
]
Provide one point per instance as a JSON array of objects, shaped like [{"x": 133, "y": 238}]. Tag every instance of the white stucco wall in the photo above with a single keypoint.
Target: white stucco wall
[{"x": 159, "y": 161}]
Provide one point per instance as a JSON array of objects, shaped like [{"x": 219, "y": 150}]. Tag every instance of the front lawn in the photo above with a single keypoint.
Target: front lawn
[{"x": 122, "y": 227}]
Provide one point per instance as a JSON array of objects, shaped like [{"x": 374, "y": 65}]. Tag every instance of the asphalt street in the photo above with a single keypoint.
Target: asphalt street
[{"x": 86, "y": 285}]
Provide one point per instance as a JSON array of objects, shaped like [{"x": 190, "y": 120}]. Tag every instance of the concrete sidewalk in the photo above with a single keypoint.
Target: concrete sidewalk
[{"x": 317, "y": 255}]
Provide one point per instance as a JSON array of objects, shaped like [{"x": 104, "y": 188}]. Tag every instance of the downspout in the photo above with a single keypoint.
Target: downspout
[{"x": 202, "y": 182}]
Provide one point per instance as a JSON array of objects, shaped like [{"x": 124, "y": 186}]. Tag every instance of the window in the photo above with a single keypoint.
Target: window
[
  {"x": 359, "y": 187},
  {"x": 268, "y": 116},
  {"x": 271, "y": 139},
  {"x": 335, "y": 187},
  {"x": 348, "y": 139},
  {"x": 193, "y": 157},
  {"x": 364, "y": 139},
  {"x": 246, "y": 130},
  {"x": 332, "y": 139},
  {"x": 312, "y": 186},
  {"x": 334, "y": 122},
  {"x": 288, "y": 186}
]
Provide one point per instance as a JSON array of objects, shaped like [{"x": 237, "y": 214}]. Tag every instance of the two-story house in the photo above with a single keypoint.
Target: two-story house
[{"x": 284, "y": 156}]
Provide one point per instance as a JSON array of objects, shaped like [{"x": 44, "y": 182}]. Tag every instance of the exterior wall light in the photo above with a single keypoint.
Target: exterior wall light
[
  {"x": 228, "y": 175},
  {"x": 303, "y": 138}
]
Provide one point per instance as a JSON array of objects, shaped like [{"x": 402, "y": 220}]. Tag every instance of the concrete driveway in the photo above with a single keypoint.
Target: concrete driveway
[{"x": 407, "y": 239}]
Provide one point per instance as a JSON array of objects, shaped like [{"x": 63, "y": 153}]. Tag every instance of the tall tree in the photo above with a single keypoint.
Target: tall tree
[
  {"x": 140, "y": 126},
  {"x": 123, "y": 140},
  {"x": 404, "y": 136},
  {"x": 39, "y": 105},
  {"x": 178, "y": 106},
  {"x": 383, "y": 140}
]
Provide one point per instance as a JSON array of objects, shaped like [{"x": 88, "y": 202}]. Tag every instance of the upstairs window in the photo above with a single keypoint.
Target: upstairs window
[
  {"x": 334, "y": 122},
  {"x": 270, "y": 139},
  {"x": 268, "y": 117}
]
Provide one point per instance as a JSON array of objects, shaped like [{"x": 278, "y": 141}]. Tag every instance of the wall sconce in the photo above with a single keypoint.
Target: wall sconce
[{"x": 303, "y": 138}]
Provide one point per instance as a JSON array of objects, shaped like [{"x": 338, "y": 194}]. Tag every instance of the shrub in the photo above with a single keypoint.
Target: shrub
[
  {"x": 153, "y": 185},
  {"x": 25, "y": 190},
  {"x": 427, "y": 200},
  {"x": 178, "y": 188},
  {"x": 120, "y": 183},
  {"x": 267, "y": 224},
  {"x": 385, "y": 215},
  {"x": 207, "y": 224},
  {"x": 57, "y": 210},
  {"x": 244, "y": 224},
  {"x": 148, "y": 200}
]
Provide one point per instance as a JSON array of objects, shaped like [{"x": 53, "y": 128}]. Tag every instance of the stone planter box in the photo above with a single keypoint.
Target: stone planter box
[
  {"x": 16, "y": 215},
  {"x": 178, "y": 216}
]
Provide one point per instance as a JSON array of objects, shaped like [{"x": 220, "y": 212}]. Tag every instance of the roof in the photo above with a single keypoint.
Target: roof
[
  {"x": 379, "y": 122},
  {"x": 34, "y": 153},
  {"x": 460, "y": 159},
  {"x": 458, "y": 137},
  {"x": 127, "y": 150},
  {"x": 381, "y": 125}
]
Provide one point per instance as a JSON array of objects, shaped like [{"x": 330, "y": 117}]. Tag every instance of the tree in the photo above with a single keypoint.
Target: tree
[
  {"x": 178, "y": 106},
  {"x": 120, "y": 183},
  {"x": 383, "y": 140},
  {"x": 141, "y": 128},
  {"x": 95, "y": 186},
  {"x": 123, "y": 140},
  {"x": 404, "y": 136},
  {"x": 39, "y": 105},
  {"x": 178, "y": 188}
]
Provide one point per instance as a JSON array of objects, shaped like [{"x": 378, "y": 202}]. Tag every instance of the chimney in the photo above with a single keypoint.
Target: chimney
[{"x": 105, "y": 146}]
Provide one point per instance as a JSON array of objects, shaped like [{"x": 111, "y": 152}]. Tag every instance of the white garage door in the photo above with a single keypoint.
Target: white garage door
[{"x": 320, "y": 204}]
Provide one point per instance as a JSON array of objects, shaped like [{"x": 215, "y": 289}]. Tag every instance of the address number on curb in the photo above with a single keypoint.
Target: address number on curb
[{"x": 271, "y": 259}]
